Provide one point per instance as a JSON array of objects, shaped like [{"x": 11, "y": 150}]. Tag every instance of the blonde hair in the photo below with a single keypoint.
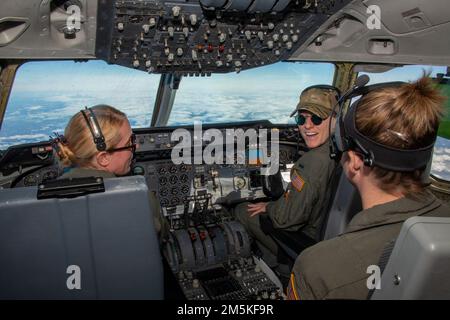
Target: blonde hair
[
  {"x": 405, "y": 117},
  {"x": 78, "y": 147}
]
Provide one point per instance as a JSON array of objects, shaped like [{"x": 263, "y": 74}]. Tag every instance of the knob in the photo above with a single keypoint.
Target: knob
[
  {"x": 176, "y": 11},
  {"x": 193, "y": 19},
  {"x": 261, "y": 36},
  {"x": 194, "y": 55},
  {"x": 171, "y": 31},
  {"x": 186, "y": 32}
]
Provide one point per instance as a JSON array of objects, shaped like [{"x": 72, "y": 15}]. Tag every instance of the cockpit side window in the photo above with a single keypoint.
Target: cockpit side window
[
  {"x": 264, "y": 93},
  {"x": 46, "y": 94},
  {"x": 441, "y": 158}
]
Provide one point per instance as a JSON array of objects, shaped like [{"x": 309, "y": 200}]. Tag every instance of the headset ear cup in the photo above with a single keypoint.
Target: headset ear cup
[
  {"x": 101, "y": 146},
  {"x": 368, "y": 160}
]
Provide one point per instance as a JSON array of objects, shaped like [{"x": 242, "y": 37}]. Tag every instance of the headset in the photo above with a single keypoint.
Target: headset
[
  {"x": 94, "y": 127},
  {"x": 347, "y": 137}
]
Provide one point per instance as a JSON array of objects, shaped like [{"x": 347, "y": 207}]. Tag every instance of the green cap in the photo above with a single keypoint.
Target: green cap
[{"x": 319, "y": 101}]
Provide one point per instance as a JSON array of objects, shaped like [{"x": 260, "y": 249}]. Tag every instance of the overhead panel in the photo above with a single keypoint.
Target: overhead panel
[{"x": 206, "y": 36}]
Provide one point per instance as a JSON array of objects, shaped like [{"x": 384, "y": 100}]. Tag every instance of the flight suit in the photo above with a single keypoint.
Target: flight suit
[
  {"x": 302, "y": 205},
  {"x": 337, "y": 268},
  {"x": 159, "y": 221}
]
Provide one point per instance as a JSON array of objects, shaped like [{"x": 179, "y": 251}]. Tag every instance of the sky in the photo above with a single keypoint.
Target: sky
[{"x": 46, "y": 94}]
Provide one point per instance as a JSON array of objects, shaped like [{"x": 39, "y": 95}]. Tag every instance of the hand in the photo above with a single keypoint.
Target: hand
[{"x": 256, "y": 208}]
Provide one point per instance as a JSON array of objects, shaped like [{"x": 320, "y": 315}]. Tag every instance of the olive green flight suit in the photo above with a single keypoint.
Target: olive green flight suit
[
  {"x": 302, "y": 204},
  {"x": 337, "y": 268},
  {"x": 159, "y": 221}
]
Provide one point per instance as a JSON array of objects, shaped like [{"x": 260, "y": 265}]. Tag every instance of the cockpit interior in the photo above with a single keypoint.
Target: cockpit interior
[{"x": 46, "y": 226}]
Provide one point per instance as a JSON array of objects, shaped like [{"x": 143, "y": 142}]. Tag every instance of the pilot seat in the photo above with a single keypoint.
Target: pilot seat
[{"x": 82, "y": 238}]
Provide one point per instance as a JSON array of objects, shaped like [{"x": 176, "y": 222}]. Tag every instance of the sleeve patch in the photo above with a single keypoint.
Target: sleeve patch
[{"x": 297, "y": 182}]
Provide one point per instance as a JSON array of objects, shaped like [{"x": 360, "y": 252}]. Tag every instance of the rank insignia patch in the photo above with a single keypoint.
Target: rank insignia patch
[{"x": 297, "y": 182}]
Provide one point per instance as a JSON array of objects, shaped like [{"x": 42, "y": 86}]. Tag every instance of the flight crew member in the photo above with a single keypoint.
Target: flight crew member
[
  {"x": 300, "y": 207},
  {"x": 99, "y": 142},
  {"x": 395, "y": 118}
]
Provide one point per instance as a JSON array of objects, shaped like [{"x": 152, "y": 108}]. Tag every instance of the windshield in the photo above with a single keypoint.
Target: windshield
[
  {"x": 46, "y": 94},
  {"x": 269, "y": 92}
]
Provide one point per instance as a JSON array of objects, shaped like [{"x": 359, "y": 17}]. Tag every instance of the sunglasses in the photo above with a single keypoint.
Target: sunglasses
[
  {"x": 131, "y": 145},
  {"x": 301, "y": 119}
]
